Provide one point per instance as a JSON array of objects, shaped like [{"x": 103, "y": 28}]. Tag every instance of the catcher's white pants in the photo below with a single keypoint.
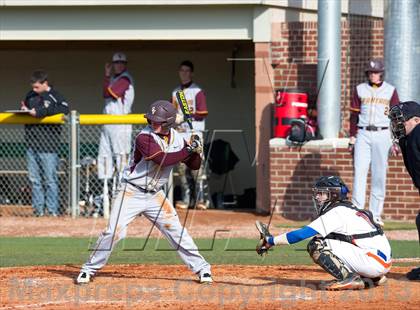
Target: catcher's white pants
[
  {"x": 367, "y": 263},
  {"x": 371, "y": 151},
  {"x": 129, "y": 203},
  {"x": 114, "y": 145}
]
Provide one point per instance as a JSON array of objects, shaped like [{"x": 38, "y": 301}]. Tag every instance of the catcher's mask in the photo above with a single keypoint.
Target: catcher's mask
[
  {"x": 162, "y": 112},
  {"x": 397, "y": 121},
  {"x": 332, "y": 187},
  {"x": 401, "y": 113}
]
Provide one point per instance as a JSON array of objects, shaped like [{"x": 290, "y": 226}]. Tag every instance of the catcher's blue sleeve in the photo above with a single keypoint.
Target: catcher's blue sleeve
[{"x": 300, "y": 234}]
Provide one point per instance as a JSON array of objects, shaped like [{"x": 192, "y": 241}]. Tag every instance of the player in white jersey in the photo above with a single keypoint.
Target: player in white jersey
[
  {"x": 198, "y": 108},
  {"x": 346, "y": 242},
  {"x": 115, "y": 140},
  {"x": 157, "y": 148},
  {"x": 370, "y": 137}
]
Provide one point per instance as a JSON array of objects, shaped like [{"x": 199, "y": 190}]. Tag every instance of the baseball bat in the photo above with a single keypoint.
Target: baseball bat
[
  {"x": 182, "y": 101},
  {"x": 105, "y": 192}
]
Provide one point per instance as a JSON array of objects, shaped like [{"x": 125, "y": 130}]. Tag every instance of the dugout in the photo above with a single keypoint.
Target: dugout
[{"x": 275, "y": 41}]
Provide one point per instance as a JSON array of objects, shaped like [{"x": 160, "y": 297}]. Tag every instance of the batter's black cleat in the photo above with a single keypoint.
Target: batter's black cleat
[
  {"x": 205, "y": 278},
  {"x": 83, "y": 278}
]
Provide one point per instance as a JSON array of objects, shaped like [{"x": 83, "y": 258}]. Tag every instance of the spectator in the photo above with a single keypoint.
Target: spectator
[
  {"x": 43, "y": 143},
  {"x": 371, "y": 138},
  {"x": 115, "y": 141},
  {"x": 191, "y": 180}
]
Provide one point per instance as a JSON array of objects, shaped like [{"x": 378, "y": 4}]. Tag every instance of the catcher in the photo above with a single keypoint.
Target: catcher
[{"x": 347, "y": 243}]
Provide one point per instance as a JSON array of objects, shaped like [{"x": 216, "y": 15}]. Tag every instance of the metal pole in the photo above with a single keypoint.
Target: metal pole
[
  {"x": 74, "y": 164},
  {"x": 329, "y": 67},
  {"x": 402, "y": 47}
]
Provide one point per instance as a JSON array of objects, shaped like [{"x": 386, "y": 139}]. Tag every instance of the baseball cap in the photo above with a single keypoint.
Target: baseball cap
[
  {"x": 410, "y": 109},
  {"x": 375, "y": 65},
  {"x": 119, "y": 57}
]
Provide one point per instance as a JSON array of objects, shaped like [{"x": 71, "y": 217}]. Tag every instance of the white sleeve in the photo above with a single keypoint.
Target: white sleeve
[{"x": 327, "y": 223}]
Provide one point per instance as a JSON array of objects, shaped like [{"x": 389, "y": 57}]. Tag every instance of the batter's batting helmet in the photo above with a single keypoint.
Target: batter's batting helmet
[
  {"x": 162, "y": 112},
  {"x": 333, "y": 186},
  {"x": 375, "y": 65}
]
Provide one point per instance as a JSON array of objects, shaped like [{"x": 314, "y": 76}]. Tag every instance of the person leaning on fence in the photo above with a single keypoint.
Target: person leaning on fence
[
  {"x": 43, "y": 143},
  {"x": 115, "y": 141}
]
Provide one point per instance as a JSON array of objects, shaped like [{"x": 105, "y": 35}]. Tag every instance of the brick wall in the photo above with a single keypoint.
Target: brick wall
[
  {"x": 294, "y": 56},
  {"x": 293, "y": 172}
]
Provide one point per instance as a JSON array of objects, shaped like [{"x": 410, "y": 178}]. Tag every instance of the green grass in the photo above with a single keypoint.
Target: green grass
[
  {"x": 389, "y": 225},
  {"x": 60, "y": 251}
]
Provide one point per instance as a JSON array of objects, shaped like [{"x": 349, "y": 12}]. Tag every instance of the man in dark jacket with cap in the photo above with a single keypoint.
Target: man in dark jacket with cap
[{"x": 42, "y": 143}]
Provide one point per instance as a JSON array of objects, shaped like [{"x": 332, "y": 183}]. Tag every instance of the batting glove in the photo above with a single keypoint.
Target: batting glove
[{"x": 196, "y": 146}]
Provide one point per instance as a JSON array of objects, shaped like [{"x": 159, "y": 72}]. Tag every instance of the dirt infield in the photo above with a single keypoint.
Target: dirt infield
[
  {"x": 200, "y": 224},
  {"x": 174, "y": 287}
]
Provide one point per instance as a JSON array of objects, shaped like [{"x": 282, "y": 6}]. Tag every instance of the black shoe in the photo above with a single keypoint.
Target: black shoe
[{"x": 414, "y": 275}]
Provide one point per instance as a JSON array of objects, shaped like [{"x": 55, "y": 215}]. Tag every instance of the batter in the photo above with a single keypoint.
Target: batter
[{"x": 157, "y": 148}]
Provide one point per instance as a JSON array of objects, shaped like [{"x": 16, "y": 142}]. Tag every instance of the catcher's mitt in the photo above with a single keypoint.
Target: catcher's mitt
[{"x": 263, "y": 246}]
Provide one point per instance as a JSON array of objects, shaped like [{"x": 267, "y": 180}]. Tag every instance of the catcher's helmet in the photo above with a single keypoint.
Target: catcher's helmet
[
  {"x": 401, "y": 113},
  {"x": 333, "y": 186},
  {"x": 162, "y": 112},
  {"x": 375, "y": 65}
]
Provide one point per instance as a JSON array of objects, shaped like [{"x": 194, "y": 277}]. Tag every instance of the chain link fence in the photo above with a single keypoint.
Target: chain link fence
[
  {"x": 94, "y": 190},
  {"x": 26, "y": 170},
  {"x": 39, "y": 161}
]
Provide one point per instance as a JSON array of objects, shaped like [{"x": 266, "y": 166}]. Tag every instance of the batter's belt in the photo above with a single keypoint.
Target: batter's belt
[
  {"x": 372, "y": 128},
  {"x": 143, "y": 190}
]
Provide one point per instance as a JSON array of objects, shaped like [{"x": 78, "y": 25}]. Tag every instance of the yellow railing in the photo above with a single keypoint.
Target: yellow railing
[
  {"x": 99, "y": 119},
  {"x": 85, "y": 119},
  {"x": 12, "y": 118}
]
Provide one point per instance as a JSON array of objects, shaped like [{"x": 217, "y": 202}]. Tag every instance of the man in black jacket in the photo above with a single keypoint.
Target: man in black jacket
[
  {"x": 405, "y": 124},
  {"x": 42, "y": 143}
]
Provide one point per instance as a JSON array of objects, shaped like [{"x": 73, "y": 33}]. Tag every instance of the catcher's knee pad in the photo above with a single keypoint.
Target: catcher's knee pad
[
  {"x": 315, "y": 247},
  {"x": 322, "y": 255}
]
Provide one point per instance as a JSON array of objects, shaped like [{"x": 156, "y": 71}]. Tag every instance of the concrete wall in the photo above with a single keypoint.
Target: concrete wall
[{"x": 76, "y": 69}]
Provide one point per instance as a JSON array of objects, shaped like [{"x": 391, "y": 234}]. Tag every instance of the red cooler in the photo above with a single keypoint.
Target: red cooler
[{"x": 289, "y": 105}]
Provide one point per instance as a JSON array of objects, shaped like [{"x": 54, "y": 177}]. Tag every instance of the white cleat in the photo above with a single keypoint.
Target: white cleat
[
  {"x": 83, "y": 278},
  {"x": 205, "y": 278},
  {"x": 181, "y": 205}
]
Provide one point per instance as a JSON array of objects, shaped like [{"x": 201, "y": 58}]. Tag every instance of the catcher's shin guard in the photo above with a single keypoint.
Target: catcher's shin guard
[{"x": 323, "y": 256}]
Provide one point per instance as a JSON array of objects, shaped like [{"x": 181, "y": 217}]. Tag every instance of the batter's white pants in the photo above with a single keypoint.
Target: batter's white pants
[
  {"x": 114, "y": 145},
  {"x": 371, "y": 151},
  {"x": 367, "y": 263},
  {"x": 129, "y": 203}
]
